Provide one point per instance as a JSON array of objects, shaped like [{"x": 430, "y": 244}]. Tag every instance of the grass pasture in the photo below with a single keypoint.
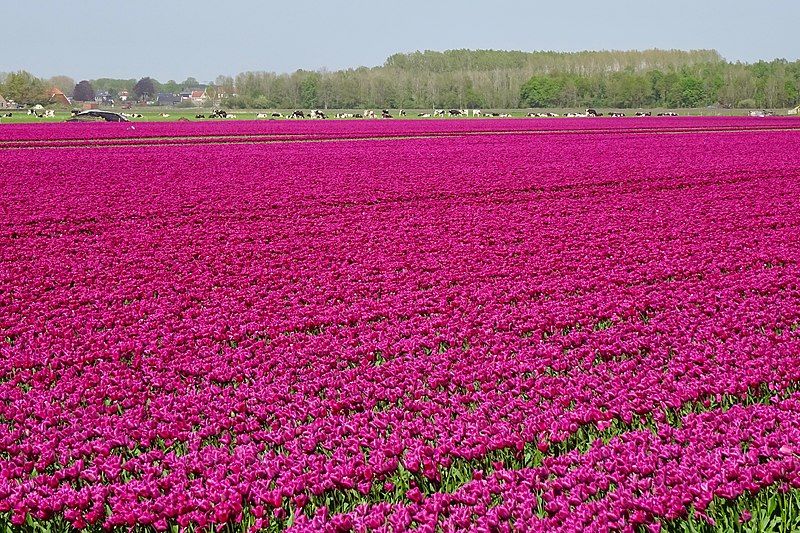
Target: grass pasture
[{"x": 154, "y": 114}]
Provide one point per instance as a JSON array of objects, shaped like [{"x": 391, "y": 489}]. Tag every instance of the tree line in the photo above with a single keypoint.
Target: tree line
[{"x": 484, "y": 79}]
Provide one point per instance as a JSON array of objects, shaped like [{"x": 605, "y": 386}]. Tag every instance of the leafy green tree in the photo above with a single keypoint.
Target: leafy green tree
[
  {"x": 309, "y": 87},
  {"x": 64, "y": 83},
  {"x": 692, "y": 92},
  {"x": 792, "y": 92},
  {"x": 113, "y": 84},
  {"x": 541, "y": 91},
  {"x": 24, "y": 88}
]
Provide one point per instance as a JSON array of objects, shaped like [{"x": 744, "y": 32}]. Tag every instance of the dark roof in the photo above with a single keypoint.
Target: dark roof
[{"x": 167, "y": 98}]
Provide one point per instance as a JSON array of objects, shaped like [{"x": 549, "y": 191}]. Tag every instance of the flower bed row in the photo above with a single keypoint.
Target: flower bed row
[{"x": 399, "y": 333}]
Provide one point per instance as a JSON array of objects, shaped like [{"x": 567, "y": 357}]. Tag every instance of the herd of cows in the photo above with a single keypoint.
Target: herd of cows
[
  {"x": 369, "y": 113},
  {"x": 385, "y": 113}
]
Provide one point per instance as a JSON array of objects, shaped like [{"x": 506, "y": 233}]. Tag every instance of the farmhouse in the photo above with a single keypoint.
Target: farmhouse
[
  {"x": 3, "y": 102},
  {"x": 57, "y": 96},
  {"x": 199, "y": 96}
]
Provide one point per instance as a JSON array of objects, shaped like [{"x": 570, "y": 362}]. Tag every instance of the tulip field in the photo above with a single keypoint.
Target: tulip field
[{"x": 444, "y": 325}]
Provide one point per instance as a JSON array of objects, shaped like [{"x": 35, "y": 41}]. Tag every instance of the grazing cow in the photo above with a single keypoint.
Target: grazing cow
[
  {"x": 316, "y": 113},
  {"x": 385, "y": 113},
  {"x": 259, "y": 115},
  {"x": 164, "y": 115},
  {"x": 476, "y": 112},
  {"x": 402, "y": 113},
  {"x": 277, "y": 115},
  {"x": 643, "y": 113},
  {"x": 438, "y": 112},
  {"x": 369, "y": 113},
  {"x": 199, "y": 116},
  {"x": 297, "y": 113},
  {"x": 455, "y": 112},
  {"x": 424, "y": 115},
  {"x": 614, "y": 114},
  {"x": 49, "y": 113},
  {"x": 532, "y": 115},
  {"x": 592, "y": 113}
]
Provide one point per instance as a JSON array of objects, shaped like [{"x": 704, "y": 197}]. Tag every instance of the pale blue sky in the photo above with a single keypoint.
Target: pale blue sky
[{"x": 174, "y": 39}]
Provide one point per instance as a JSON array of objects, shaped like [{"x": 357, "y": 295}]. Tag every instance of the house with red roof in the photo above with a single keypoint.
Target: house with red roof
[{"x": 57, "y": 96}]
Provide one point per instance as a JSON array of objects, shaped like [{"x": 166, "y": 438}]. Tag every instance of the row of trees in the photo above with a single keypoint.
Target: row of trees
[
  {"x": 482, "y": 79},
  {"x": 25, "y": 88},
  {"x": 770, "y": 85},
  {"x": 495, "y": 79}
]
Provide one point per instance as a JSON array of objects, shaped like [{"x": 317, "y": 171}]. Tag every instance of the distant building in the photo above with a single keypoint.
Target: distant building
[
  {"x": 57, "y": 96},
  {"x": 199, "y": 96},
  {"x": 3, "y": 102},
  {"x": 167, "y": 99},
  {"x": 104, "y": 98},
  {"x": 196, "y": 96},
  {"x": 222, "y": 93},
  {"x": 123, "y": 96}
]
